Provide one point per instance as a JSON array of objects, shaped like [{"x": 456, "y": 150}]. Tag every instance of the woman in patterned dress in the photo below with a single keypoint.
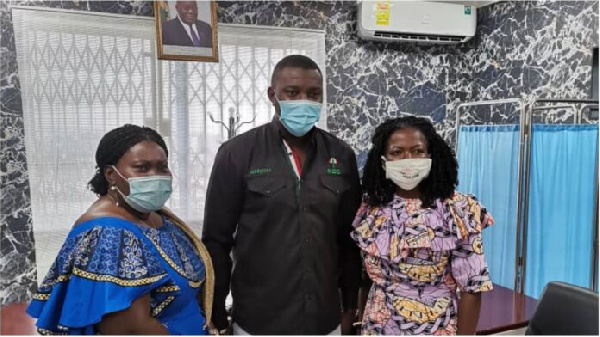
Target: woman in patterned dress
[
  {"x": 420, "y": 239},
  {"x": 128, "y": 266}
]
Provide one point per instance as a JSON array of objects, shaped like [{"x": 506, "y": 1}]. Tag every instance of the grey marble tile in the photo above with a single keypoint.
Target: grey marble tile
[
  {"x": 535, "y": 49},
  {"x": 17, "y": 258},
  {"x": 10, "y": 92},
  {"x": 143, "y": 8},
  {"x": 117, "y": 7},
  {"x": 17, "y": 251},
  {"x": 268, "y": 13}
]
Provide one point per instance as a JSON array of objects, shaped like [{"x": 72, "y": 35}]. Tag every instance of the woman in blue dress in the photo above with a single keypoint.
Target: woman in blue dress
[{"x": 128, "y": 266}]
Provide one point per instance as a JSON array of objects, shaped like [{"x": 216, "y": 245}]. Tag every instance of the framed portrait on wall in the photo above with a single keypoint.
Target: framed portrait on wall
[{"x": 186, "y": 30}]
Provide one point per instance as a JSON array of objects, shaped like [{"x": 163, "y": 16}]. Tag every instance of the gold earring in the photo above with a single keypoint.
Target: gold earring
[{"x": 115, "y": 198}]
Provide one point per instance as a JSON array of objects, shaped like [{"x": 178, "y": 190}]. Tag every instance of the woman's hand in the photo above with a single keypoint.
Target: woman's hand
[
  {"x": 348, "y": 319},
  {"x": 468, "y": 313}
]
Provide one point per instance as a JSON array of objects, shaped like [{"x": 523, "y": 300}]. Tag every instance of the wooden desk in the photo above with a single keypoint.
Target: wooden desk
[{"x": 504, "y": 309}]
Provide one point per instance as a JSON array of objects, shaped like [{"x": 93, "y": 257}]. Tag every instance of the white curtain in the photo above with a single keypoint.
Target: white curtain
[{"x": 83, "y": 74}]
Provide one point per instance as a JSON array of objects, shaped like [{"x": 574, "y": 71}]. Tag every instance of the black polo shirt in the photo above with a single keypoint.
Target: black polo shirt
[{"x": 290, "y": 236}]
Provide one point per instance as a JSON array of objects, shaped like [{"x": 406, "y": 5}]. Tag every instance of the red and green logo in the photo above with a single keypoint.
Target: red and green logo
[{"x": 333, "y": 168}]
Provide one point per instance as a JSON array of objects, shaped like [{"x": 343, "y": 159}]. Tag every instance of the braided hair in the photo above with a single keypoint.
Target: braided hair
[
  {"x": 442, "y": 180},
  {"x": 114, "y": 145}
]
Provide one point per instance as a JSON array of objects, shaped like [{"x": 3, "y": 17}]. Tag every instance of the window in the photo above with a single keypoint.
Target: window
[{"x": 83, "y": 74}]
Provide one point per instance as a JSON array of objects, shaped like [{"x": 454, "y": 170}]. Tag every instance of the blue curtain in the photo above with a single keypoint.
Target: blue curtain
[
  {"x": 561, "y": 205},
  {"x": 488, "y": 164}
]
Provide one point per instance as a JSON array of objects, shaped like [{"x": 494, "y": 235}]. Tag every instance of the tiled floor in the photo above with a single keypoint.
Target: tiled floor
[{"x": 15, "y": 321}]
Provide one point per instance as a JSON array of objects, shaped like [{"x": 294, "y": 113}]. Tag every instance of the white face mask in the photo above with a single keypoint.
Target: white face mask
[{"x": 407, "y": 173}]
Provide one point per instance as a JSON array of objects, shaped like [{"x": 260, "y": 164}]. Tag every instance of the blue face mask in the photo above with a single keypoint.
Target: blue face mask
[
  {"x": 147, "y": 194},
  {"x": 299, "y": 116}
]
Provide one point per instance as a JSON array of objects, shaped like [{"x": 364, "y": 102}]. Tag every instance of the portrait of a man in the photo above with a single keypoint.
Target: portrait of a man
[{"x": 186, "y": 30}]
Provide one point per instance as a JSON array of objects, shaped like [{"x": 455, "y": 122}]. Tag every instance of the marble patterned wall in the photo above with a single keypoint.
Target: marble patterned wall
[
  {"x": 522, "y": 49},
  {"x": 535, "y": 49},
  {"x": 17, "y": 259}
]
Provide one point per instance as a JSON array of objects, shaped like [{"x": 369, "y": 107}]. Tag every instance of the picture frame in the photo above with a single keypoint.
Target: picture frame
[{"x": 186, "y": 30}]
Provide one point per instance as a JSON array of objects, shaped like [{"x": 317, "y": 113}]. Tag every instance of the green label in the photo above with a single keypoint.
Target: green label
[
  {"x": 468, "y": 10},
  {"x": 260, "y": 171},
  {"x": 334, "y": 171}
]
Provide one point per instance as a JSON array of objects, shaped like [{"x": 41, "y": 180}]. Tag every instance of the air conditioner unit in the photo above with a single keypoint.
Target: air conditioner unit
[{"x": 416, "y": 21}]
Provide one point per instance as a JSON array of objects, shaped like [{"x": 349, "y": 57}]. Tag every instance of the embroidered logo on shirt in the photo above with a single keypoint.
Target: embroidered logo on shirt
[
  {"x": 333, "y": 169},
  {"x": 260, "y": 171}
]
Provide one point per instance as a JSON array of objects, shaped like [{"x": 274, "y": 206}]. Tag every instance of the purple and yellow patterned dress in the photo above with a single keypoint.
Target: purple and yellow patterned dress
[{"x": 418, "y": 258}]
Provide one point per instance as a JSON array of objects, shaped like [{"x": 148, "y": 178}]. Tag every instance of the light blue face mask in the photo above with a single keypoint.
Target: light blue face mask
[
  {"x": 147, "y": 194},
  {"x": 299, "y": 116}
]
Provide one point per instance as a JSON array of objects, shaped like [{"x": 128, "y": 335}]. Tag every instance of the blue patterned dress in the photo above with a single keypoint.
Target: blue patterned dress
[{"x": 107, "y": 263}]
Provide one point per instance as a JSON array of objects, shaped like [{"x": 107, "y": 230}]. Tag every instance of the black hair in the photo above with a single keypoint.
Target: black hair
[
  {"x": 114, "y": 145},
  {"x": 295, "y": 61},
  {"x": 442, "y": 180}
]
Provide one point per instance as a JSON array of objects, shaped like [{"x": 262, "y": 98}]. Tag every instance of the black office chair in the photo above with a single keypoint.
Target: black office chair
[{"x": 565, "y": 309}]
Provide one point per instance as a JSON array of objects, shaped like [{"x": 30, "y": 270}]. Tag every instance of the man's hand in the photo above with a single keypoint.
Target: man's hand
[
  {"x": 227, "y": 332},
  {"x": 348, "y": 318},
  {"x": 223, "y": 332}
]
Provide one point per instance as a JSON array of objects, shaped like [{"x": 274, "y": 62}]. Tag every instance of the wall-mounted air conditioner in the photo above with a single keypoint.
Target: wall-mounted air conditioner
[{"x": 416, "y": 21}]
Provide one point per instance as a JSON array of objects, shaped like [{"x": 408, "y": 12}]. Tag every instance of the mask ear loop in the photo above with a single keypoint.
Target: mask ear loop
[
  {"x": 277, "y": 101},
  {"x": 114, "y": 187}
]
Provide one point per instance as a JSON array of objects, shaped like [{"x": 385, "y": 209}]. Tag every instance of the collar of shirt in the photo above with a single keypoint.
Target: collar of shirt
[
  {"x": 187, "y": 28},
  {"x": 290, "y": 153}
]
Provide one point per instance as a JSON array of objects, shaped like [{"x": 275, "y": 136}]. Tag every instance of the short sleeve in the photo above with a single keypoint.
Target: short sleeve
[
  {"x": 100, "y": 269},
  {"x": 365, "y": 225},
  {"x": 469, "y": 267}
]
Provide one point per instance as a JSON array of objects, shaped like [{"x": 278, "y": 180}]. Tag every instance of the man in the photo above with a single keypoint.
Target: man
[
  {"x": 186, "y": 30},
  {"x": 283, "y": 196}
]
